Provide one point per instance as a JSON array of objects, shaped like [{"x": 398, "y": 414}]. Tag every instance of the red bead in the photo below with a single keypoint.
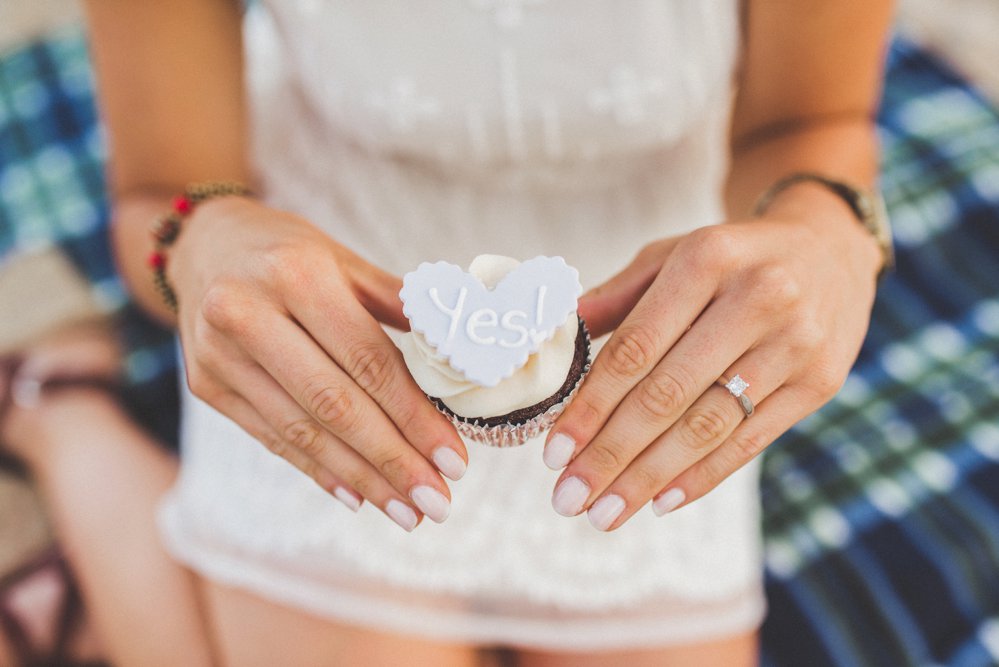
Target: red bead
[
  {"x": 182, "y": 205},
  {"x": 157, "y": 260}
]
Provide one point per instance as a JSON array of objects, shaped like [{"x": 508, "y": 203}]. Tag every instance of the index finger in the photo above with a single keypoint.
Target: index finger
[
  {"x": 676, "y": 298},
  {"x": 356, "y": 342}
]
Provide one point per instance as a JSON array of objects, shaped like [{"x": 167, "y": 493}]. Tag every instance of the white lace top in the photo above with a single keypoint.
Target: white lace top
[{"x": 441, "y": 130}]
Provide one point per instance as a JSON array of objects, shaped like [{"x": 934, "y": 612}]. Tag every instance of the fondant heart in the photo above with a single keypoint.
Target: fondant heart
[{"x": 488, "y": 334}]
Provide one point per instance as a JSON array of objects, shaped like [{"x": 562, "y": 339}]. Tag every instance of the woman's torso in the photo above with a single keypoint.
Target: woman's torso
[
  {"x": 441, "y": 130},
  {"x": 449, "y": 128}
]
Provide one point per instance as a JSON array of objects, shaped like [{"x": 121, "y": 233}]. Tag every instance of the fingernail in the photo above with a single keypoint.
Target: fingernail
[
  {"x": 668, "y": 502},
  {"x": 347, "y": 498},
  {"x": 431, "y": 502},
  {"x": 558, "y": 452},
  {"x": 570, "y": 495},
  {"x": 449, "y": 462},
  {"x": 605, "y": 511},
  {"x": 402, "y": 514}
]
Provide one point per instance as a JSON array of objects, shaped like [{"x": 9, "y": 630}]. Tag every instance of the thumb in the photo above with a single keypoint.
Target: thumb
[
  {"x": 605, "y": 306},
  {"x": 378, "y": 292}
]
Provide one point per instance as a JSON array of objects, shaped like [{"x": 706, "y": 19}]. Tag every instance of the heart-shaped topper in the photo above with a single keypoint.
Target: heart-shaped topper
[{"x": 488, "y": 334}]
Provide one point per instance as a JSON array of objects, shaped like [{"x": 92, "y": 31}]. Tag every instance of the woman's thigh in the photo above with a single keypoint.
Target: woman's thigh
[
  {"x": 249, "y": 631},
  {"x": 737, "y": 651}
]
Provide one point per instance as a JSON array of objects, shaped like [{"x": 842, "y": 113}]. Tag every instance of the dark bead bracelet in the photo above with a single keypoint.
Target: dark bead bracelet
[{"x": 166, "y": 229}]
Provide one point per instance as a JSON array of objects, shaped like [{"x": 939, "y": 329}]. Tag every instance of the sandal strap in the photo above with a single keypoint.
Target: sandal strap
[
  {"x": 58, "y": 383},
  {"x": 16, "y": 636},
  {"x": 70, "y": 615},
  {"x": 67, "y": 618},
  {"x": 9, "y": 366},
  {"x": 11, "y": 626}
]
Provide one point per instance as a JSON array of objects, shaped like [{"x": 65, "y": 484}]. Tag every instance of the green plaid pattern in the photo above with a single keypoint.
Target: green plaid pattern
[
  {"x": 882, "y": 509},
  {"x": 52, "y": 156},
  {"x": 52, "y": 191}
]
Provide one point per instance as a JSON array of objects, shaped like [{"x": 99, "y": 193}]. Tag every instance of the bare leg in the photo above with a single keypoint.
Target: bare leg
[
  {"x": 739, "y": 651},
  {"x": 111, "y": 538},
  {"x": 252, "y": 631},
  {"x": 102, "y": 478}
]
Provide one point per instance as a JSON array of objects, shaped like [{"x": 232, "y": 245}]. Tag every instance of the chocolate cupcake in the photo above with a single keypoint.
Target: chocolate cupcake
[{"x": 500, "y": 349}]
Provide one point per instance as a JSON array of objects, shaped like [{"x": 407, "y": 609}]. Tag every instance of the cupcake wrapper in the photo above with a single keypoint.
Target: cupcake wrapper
[{"x": 514, "y": 435}]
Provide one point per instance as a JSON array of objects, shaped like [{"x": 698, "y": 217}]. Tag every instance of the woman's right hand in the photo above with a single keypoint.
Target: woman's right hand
[{"x": 279, "y": 329}]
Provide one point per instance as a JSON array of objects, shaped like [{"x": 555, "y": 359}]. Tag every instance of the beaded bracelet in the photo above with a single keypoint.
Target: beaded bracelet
[{"x": 166, "y": 228}]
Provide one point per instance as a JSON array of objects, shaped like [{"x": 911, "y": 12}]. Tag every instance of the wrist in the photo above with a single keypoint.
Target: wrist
[
  {"x": 223, "y": 206},
  {"x": 807, "y": 200},
  {"x": 169, "y": 228},
  {"x": 836, "y": 209}
]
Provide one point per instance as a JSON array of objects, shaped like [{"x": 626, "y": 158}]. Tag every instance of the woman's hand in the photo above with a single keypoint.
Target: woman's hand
[
  {"x": 279, "y": 330},
  {"x": 783, "y": 301}
]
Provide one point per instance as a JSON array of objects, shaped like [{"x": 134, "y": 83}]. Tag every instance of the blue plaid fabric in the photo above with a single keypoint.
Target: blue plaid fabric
[
  {"x": 881, "y": 511},
  {"x": 52, "y": 157},
  {"x": 52, "y": 191}
]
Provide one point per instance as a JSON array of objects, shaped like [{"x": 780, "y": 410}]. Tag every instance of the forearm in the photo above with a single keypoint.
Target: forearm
[
  {"x": 808, "y": 86},
  {"x": 844, "y": 149},
  {"x": 171, "y": 97}
]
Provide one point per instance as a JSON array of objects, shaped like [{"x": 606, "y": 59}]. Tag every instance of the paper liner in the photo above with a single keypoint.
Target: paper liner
[{"x": 514, "y": 435}]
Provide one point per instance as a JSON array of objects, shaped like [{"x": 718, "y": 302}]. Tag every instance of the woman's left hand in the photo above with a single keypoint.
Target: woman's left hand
[{"x": 783, "y": 301}]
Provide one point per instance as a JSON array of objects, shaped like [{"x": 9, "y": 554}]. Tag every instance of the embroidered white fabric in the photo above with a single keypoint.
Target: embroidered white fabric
[{"x": 580, "y": 128}]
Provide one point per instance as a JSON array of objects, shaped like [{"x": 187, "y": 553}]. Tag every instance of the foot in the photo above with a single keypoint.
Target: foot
[
  {"x": 42, "y": 619},
  {"x": 64, "y": 367},
  {"x": 41, "y": 386}
]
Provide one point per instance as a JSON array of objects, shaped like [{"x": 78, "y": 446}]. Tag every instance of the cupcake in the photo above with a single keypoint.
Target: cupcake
[{"x": 499, "y": 349}]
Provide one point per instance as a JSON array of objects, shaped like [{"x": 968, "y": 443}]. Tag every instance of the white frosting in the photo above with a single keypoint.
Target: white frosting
[{"x": 542, "y": 375}]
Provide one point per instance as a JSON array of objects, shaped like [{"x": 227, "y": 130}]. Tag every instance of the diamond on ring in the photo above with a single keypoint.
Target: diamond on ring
[{"x": 736, "y": 386}]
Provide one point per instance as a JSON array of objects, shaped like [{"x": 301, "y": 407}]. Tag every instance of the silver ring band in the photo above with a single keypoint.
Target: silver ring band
[{"x": 737, "y": 386}]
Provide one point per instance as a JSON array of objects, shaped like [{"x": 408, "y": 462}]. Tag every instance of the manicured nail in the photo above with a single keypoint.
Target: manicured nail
[
  {"x": 431, "y": 502},
  {"x": 347, "y": 498},
  {"x": 570, "y": 495},
  {"x": 449, "y": 462},
  {"x": 402, "y": 514},
  {"x": 668, "y": 502},
  {"x": 558, "y": 451},
  {"x": 605, "y": 511}
]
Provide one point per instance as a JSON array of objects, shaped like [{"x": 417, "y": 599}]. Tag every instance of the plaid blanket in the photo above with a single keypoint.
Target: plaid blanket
[{"x": 881, "y": 511}]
